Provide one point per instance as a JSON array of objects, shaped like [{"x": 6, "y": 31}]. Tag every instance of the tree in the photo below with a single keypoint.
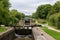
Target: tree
[
  {"x": 4, "y": 11},
  {"x": 55, "y": 9},
  {"x": 15, "y": 13},
  {"x": 56, "y": 6},
  {"x": 15, "y": 16},
  {"x": 22, "y": 15},
  {"x": 5, "y": 3},
  {"x": 43, "y": 10},
  {"x": 54, "y": 20},
  {"x": 8, "y": 17},
  {"x": 34, "y": 15}
]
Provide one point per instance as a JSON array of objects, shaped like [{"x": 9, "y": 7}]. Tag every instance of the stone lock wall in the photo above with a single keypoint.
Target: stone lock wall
[
  {"x": 39, "y": 34},
  {"x": 8, "y": 35}
]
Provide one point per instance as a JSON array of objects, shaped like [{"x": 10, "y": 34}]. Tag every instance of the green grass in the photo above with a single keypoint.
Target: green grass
[
  {"x": 41, "y": 21},
  {"x": 2, "y": 29},
  {"x": 54, "y": 34}
]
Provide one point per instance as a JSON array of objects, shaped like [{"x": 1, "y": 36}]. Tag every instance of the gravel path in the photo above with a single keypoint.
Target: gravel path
[{"x": 51, "y": 28}]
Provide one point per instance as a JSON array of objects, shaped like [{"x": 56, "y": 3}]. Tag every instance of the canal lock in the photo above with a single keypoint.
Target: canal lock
[{"x": 23, "y": 34}]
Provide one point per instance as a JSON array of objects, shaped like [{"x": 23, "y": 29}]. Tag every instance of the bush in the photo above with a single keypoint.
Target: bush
[
  {"x": 54, "y": 20},
  {"x": 51, "y": 20},
  {"x": 41, "y": 21}
]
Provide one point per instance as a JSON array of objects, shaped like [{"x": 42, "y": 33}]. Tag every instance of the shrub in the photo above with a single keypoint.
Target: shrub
[{"x": 54, "y": 20}]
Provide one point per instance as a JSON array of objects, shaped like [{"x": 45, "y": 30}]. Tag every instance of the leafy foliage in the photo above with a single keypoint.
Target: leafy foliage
[
  {"x": 4, "y": 9},
  {"x": 15, "y": 16},
  {"x": 43, "y": 10},
  {"x": 34, "y": 15},
  {"x": 8, "y": 17},
  {"x": 54, "y": 20},
  {"x": 54, "y": 16}
]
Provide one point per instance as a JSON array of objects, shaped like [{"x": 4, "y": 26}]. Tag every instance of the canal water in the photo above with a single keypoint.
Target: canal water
[{"x": 23, "y": 37}]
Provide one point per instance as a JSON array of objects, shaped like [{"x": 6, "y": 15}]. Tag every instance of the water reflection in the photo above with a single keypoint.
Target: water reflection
[{"x": 23, "y": 37}]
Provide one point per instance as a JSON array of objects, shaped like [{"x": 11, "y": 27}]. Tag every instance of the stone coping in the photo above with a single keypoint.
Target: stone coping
[
  {"x": 9, "y": 29},
  {"x": 39, "y": 34}
]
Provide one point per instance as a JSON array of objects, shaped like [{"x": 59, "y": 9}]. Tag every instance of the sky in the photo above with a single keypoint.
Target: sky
[{"x": 28, "y": 6}]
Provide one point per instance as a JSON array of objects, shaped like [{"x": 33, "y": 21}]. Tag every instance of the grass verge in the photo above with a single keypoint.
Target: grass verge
[
  {"x": 2, "y": 29},
  {"x": 54, "y": 34}
]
